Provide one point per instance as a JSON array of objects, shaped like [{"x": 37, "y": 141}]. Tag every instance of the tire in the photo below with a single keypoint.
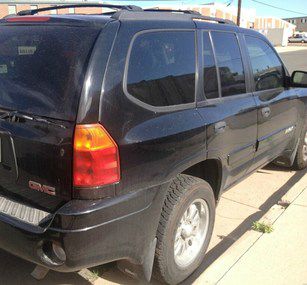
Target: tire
[
  {"x": 300, "y": 161},
  {"x": 183, "y": 193}
]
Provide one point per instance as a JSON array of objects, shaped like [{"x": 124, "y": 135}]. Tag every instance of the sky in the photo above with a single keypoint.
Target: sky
[{"x": 299, "y": 6}]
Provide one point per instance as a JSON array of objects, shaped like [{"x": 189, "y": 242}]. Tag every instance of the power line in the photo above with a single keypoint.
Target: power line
[{"x": 304, "y": 14}]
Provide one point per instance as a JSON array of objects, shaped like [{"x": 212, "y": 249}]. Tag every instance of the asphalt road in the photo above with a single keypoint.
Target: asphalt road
[{"x": 295, "y": 60}]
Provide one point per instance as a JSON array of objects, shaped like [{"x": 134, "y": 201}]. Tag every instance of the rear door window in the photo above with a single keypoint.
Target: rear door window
[
  {"x": 230, "y": 64},
  {"x": 161, "y": 69},
  {"x": 42, "y": 68}
]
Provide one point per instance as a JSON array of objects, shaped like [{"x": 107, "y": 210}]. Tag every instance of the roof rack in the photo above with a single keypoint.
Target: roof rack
[
  {"x": 115, "y": 7},
  {"x": 213, "y": 19},
  {"x": 132, "y": 8},
  {"x": 195, "y": 15},
  {"x": 157, "y": 9}
]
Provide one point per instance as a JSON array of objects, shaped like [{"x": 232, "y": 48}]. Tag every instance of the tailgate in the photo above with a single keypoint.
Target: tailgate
[
  {"x": 36, "y": 162},
  {"x": 42, "y": 71}
]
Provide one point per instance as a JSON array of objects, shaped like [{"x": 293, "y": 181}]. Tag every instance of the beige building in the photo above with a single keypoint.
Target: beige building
[
  {"x": 6, "y": 9},
  {"x": 249, "y": 19}
]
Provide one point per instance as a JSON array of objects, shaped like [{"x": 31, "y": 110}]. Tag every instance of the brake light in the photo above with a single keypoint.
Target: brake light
[
  {"x": 96, "y": 157},
  {"x": 28, "y": 19}
]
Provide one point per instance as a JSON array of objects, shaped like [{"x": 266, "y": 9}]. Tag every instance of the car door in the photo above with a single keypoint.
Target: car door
[
  {"x": 228, "y": 108},
  {"x": 277, "y": 106}
]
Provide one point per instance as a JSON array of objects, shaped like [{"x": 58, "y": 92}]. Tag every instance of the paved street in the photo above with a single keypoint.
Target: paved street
[
  {"x": 294, "y": 60},
  {"x": 251, "y": 200}
]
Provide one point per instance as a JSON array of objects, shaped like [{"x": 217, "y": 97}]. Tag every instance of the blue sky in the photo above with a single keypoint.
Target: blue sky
[{"x": 262, "y": 10}]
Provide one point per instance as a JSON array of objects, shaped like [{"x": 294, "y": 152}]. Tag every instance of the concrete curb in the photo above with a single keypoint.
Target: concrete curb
[{"x": 218, "y": 269}]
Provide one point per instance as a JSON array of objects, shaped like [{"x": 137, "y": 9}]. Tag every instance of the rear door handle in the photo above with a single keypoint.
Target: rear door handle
[
  {"x": 220, "y": 127},
  {"x": 266, "y": 112}
]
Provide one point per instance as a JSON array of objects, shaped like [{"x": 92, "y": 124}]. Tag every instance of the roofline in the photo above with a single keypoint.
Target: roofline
[
  {"x": 293, "y": 18},
  {"x": 51, "y": 2}
]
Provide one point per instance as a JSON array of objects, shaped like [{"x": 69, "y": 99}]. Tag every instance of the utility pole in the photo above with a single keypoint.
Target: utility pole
[{"x": 239, "y": 12}]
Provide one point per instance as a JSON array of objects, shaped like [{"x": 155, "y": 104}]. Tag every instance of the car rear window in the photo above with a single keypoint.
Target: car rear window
[{"x": 42, "y": 68}]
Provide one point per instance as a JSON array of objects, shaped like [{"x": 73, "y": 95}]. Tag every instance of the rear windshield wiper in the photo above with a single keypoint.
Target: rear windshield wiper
[{"x": 15, "y": 116}]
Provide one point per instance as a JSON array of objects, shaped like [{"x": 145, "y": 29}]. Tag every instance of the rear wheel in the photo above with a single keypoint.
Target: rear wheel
[
  {"x": 185, "y": 229},
  {"x": 300, "y": 161}
]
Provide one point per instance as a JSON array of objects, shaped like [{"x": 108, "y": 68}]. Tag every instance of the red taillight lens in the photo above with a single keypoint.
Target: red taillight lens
[
  {"x": 96, "y": 157},
  {"x": 28, "y": 19}
]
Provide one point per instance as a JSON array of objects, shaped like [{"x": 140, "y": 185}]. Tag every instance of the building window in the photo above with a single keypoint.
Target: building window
[
  {"x": 12, "y": 9},
  {"x": 71, "y": 10},
  {"x": 304, "y": 20}
]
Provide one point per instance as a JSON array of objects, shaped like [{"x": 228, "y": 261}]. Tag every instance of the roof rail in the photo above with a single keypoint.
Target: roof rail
[
  {"x": 115, "y": 7},
  {"x": 157, "y": 9},
  {"x": 195, "y": 15},
  {"x": 213, "y": 19}
]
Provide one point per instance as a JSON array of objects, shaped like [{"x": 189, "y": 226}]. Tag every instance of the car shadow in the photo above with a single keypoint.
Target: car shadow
[
  {"x": 226, "y": 242},
  {"x": 14, "y": 270},
  {"x": 232, "y": 237}
]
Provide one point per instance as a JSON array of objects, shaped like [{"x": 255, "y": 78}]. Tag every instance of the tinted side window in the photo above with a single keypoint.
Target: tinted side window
[
  {"x": 267, "y": 68},
  {"x": 161, "y": 68},
  {"x": 230, "y": 64},
  {"x": 210, "y": 73}
]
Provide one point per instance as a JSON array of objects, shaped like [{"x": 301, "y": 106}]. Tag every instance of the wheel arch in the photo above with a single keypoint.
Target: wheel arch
[{"x": 209, "y": 170}]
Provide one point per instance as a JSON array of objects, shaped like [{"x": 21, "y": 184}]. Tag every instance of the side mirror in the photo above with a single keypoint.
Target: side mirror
[{"x": 299, "y": 79}]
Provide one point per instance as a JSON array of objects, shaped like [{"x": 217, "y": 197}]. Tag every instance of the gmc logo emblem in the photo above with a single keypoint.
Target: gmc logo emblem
[{"x": 42, "y": 188}]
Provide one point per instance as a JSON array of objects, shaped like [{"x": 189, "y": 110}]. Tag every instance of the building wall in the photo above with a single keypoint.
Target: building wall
[
  {"x": 248, "y": 16},
  {"x": 300, "y": 22},
  {"x": 249, "y": 19},
  {"x": 4, "y": 9}
]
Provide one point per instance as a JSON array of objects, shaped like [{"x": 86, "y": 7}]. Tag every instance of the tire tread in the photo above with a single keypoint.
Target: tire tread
[{"x": 176, "y": 189}]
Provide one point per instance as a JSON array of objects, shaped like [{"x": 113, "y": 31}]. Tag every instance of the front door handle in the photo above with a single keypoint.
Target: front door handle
[
  {"x": 266, "y": 112},
  {"x": 220, "y": 127}
]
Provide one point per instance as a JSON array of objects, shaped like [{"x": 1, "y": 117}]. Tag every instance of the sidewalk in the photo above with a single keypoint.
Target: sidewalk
[
  {"x": 233, "y": 241},
  {"x": 279, "y": 257},
  {"x": 281, "y": 49},
  {"x": 236, "y": 255}
]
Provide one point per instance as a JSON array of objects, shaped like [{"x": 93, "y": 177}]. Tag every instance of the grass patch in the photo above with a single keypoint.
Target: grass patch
[
  {"x": 284, "y": 203},
  {"x": 262, "y": 227}
]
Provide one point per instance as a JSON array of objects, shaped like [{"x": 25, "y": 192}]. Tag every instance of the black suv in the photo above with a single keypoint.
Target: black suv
[{"x": 120, "y": 131}]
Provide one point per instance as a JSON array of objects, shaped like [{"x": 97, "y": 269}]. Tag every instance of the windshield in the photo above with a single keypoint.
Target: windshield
[{"x": 42, "y": 68}]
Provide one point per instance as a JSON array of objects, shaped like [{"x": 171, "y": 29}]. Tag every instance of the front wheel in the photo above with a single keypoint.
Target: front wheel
[
  {"x": 185, "y": 229},
  {"x": 300, "y": 161}
]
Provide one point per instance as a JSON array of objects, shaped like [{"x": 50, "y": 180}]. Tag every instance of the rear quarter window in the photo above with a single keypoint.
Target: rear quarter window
[
  {"x": 42, "y": 68},
  {"x": 161, "y": 68}
]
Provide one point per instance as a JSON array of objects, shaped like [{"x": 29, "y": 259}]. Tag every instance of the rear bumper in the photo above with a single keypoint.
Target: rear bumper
[{"x": 89, "y": 233}]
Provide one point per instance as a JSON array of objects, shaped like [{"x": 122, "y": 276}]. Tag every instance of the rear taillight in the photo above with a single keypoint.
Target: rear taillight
[
  {"x": 96, "y": 157},
  {"x": 28, "y": 19}
]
